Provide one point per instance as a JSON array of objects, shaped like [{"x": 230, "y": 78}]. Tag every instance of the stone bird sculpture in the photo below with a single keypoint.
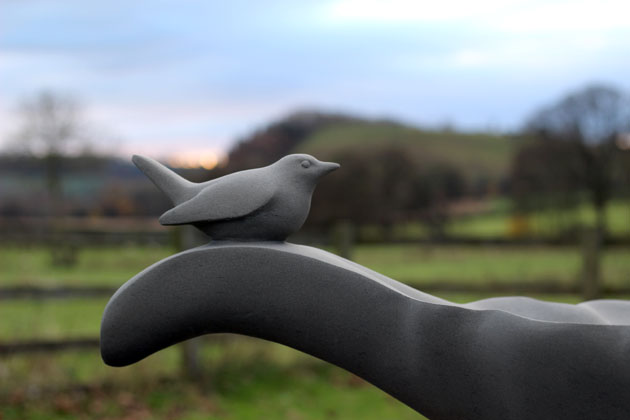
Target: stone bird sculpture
[{"x": 268, "y": 203}]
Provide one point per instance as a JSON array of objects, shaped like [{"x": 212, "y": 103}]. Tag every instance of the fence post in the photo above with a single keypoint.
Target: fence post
[
  {"x": 186, "y": 237},
  {"x": 591, "y": 255},
  {"x": 343, "y": 238}
]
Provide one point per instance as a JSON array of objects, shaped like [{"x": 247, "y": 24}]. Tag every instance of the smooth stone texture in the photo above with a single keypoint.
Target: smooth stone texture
[
  {"x": 500, "y": 358},
  {"x": 267, "y": 203}
]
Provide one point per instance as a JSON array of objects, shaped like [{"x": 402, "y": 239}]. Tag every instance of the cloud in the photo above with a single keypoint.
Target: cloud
[
  {"x": 401, "y": 11},
  {"x": 210, "y": 71},
  {"x": 531, "y": 16}
]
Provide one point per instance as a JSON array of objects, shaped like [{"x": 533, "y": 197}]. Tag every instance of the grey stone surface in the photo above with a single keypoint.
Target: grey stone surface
[
  {"x": 500, "y": 358},
  {"x": 267, "y": 203}
]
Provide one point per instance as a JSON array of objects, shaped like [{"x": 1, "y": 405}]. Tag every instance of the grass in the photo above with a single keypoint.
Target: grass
[{"x": 245, "y": 379}]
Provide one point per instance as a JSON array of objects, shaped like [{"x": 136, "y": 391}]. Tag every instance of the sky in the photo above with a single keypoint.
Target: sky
[{"x": 191, "y": 77}]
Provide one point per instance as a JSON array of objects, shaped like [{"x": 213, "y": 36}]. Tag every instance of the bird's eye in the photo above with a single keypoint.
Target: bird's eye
[{"x": 305, "y": 164}]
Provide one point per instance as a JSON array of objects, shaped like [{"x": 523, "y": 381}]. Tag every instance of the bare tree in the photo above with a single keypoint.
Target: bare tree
[
  {"x": 50, "y": 128},
  {"x": 592, "y": 115},
  {"x": 574, "y": 147}
]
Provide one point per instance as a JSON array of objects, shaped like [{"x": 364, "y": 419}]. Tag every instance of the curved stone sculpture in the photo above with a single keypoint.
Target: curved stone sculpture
[{"x": 501, "y": 358}]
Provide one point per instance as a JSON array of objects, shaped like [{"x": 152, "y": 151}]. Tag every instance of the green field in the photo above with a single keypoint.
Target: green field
[
  {"x": 244, "y": 377},
  {"x": 497, "y": 222},
  {"x": 414, "y": 264}
]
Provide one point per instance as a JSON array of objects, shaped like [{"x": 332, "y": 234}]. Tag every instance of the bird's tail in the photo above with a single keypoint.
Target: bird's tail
[{"x": 176, "y": 188}]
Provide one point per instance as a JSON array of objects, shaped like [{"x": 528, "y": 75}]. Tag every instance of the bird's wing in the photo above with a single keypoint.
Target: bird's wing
[{"x": 220, "y": 201}]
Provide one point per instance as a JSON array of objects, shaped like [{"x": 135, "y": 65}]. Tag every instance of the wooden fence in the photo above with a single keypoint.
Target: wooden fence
[{"x": 589, "y": 286}]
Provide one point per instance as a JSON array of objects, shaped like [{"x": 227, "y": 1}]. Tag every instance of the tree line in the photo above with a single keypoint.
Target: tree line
[{"x": 573, "y": 151}]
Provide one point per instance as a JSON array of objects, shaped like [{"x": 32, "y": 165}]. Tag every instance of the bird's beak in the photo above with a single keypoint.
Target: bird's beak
[{"x": 327, "y": 167}]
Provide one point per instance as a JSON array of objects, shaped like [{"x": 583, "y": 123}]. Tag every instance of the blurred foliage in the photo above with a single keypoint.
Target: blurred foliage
[{"x": 385, "y": 187}]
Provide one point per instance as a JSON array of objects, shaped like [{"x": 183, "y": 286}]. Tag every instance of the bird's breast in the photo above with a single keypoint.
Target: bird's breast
[{"x": 291, "y": 209}]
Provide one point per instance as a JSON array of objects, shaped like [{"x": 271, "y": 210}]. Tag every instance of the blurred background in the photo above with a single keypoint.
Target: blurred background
[{"x": 485, "y": 151}]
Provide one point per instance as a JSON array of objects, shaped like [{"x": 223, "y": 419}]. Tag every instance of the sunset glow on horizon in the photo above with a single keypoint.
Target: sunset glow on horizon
[{"x": 206, "y": 159}]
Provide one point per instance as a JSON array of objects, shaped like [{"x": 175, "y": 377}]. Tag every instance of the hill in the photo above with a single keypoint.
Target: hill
[
  {"x": 278, "y": 138},
  {"x": 478, "y": 157}
]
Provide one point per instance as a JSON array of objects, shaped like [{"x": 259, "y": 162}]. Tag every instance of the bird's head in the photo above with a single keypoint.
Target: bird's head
[{"x": 304, "y": 168}]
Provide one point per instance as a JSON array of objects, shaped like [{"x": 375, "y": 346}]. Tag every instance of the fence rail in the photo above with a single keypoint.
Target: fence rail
[
  {"x": 38, "y": 293},
  {"x": 47, "y": 346}
]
